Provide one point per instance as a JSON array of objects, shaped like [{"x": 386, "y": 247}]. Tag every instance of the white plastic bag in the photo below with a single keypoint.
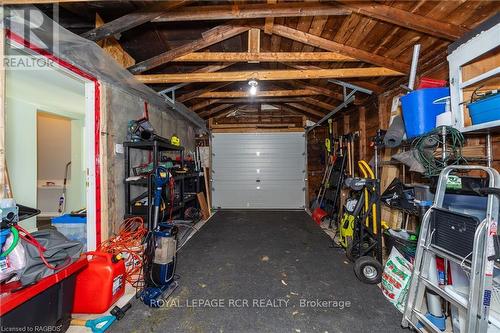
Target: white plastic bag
[
  {"x": 396, "y": 279},
  {"x": 13, "y": 263}
]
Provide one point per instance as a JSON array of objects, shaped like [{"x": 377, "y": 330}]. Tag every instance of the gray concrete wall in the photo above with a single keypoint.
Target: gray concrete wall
[{"x": 118, "y": 107}]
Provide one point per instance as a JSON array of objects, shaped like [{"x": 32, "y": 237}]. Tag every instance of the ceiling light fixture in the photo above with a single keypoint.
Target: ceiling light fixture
[{"x": 253, "y": 87}]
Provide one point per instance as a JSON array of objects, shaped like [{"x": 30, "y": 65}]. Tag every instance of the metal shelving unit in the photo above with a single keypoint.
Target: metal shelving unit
[{"x": 187, "y": 184}]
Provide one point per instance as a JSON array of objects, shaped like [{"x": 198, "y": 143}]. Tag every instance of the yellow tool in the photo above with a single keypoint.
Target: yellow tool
[
  {"x": 368, "y": 172},
  {"x": 174, "y": 139}
]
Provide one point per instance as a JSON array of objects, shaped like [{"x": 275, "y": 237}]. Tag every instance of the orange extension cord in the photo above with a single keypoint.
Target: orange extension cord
[{"x": 129, "y": 242}]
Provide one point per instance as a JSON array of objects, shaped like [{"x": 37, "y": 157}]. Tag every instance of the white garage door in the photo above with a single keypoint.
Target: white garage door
[{"x": 258, "y": 170}]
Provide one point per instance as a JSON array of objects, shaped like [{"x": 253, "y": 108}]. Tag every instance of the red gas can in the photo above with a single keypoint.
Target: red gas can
[{"x": 100, "y": 285}]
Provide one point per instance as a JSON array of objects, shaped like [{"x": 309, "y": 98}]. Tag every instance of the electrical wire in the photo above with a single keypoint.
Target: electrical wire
[
  {"x": 130, "y": 243},
  {"x": 430, "y": 158}
]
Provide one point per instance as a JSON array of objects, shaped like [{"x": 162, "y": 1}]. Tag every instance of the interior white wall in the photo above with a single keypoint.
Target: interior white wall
[
  {"x": 59, "y": 141},
  {"x": 20, "y": 152},
  {"x": 27, "y": 92},
  {"x": 53, "y": 152}
]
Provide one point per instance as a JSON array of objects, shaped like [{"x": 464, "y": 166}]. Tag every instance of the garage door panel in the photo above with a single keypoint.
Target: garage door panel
[
  {"x": 264, "y": 170},
  {"x": 245, "y": 195}
]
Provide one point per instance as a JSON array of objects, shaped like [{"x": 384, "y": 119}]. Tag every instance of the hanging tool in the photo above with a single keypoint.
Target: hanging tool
[
  {"x": 62, "y": 198},
  {"x": 377, "y": 143},
  {"x": 329, "y": 141}
]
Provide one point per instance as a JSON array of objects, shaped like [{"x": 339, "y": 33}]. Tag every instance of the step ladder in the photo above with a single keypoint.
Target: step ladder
[{"x": 476, "y": 262}]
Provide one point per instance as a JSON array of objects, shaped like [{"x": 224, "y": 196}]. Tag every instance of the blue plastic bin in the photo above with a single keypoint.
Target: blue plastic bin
[
  {"x": 73, "y": 227},
  {"x": 485, "y": 110},
  {"x": 419, "y": 111}
]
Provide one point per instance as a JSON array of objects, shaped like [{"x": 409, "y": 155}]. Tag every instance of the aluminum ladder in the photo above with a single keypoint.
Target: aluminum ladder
[{"x": 480, "y": 268}]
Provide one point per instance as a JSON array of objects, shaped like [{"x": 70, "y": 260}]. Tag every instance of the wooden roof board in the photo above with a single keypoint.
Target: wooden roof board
[{"x": 355, "y": 30}]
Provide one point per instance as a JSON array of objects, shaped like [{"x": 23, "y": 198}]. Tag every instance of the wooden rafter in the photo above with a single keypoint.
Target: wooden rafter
[
  {"x": 406, "y": 19},
  {"x": 329, "y": 45},
  {"x": 249, "y": 11},
  {"x": 266, "y": 100},
  {"x": 282, "y": 108},
  {"x": 363, "y": 84},
  {"x": 299, "y": 112},
  {"x": 268, "y": 75},
  {"x": 265, "y": 57},
  {"x": 131, "y": 20},
  {"x": 213, "y": 68},
  {"x": 112, "y": 47},
  {"x": 319, "y": 103},
  {"x": 254, "y": 43},
  {"x": 269, "y": 93},
  {"x": 268, "y": 25},
  {"x": 319, "y": 90},
  {"x": 216, "y": 110},
  {"x": 30, "y": 2},
  {"x": 210, "y": 37},
  {"x": 305, "y": 109},
  {"x": 368, "y": 85},
  {"x": 204, "y": 104},
  {"x": 197, "y": 93}
]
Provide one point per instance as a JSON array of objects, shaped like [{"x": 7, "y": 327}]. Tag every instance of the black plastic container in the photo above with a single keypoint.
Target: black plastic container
[
  {"x": 48, "y": 310},
  {"x": 405, "y": 246}
]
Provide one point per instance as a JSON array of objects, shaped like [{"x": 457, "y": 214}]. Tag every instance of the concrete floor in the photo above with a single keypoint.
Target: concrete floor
[{"x": 264, "y": 271}]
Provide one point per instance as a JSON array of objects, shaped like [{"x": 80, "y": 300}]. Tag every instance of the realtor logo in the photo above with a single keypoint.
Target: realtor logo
[{"x": 29, "y": 27}]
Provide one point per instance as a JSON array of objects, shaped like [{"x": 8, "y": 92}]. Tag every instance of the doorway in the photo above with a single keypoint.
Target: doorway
[
  {"x": 36, "y": 101},
  {"x": 60, "y": 166}
]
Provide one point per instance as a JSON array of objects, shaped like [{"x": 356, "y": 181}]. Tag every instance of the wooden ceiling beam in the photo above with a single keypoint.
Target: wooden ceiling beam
[
  {"x": 210, "y": 37},
  {"x": 253, "y": 43},
  {"x": 251, "y": 11},
  {"x": 319, "y": 103},
  {"x": 320, "y": 90},
  {"x": 406, "y": 19},
  {"x": 268, "y": 25},
  {"x": 329, "y": 45},
  {"x": 131, "y": 20},
  {"x": 282, "y": 108},
  {"x": 268, "y": 75},
  {"x": 265, "y": 57},
  {"x": 265, "y": 100},
  {"x": 112, "y": 47},
  {"x": 269, "y": 93},
  {"x": 363, "y": 84},
  {"x": 288, "y": 108},
  {"x": 216, "y": 110},
  {"x": 306, "y": 109},
  {"x": 197, "y": 93},
  {"x": 204, "y": 104},
  {"x": 33, "y": 2}
]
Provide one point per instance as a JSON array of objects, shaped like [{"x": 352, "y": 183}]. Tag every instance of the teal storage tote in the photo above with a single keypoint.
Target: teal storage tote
[
  {"x": 485, "y": 110},
  {"x": 419, "y": 111}
]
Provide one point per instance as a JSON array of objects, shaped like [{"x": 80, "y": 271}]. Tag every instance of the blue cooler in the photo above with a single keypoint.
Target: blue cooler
[{"x": 419, "y": 110}]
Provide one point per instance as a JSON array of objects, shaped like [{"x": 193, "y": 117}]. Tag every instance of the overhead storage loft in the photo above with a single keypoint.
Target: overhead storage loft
[{"x": 250, "y": 166}]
